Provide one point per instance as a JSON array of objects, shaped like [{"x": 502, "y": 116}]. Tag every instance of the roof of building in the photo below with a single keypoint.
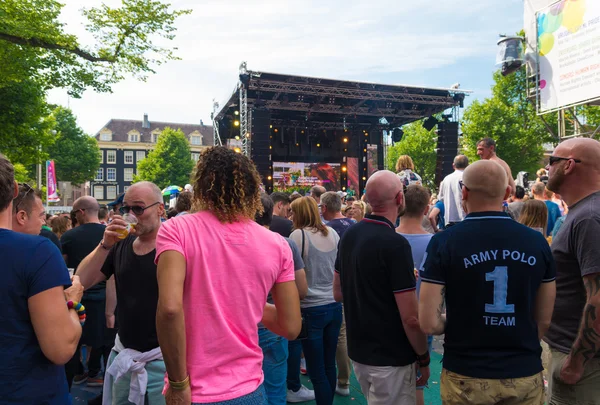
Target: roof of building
[{"x": 120, "y": 129}]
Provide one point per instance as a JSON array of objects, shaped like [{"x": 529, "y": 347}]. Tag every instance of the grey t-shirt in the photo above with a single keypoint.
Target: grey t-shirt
[
  {"x": 575, "y": 250},
  {"x": 515, "y": 209}
]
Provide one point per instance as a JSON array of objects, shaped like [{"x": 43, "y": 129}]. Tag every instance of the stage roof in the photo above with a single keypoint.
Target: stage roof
[{"x": 331, "y": 104}]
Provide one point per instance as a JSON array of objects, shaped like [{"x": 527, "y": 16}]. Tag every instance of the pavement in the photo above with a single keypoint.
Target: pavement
[{"x": 82, "y": 393}]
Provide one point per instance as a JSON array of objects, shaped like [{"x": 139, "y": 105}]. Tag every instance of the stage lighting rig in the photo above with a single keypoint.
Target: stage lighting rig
[{"x": 397, "y": 135}]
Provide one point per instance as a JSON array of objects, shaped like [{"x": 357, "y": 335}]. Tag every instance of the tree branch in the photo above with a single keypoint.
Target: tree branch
[{"x": 40, "y": 43}]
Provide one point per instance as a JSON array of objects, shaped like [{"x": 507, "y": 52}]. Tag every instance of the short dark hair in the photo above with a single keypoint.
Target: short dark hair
[
  {"x": 184, "y": 202},
  {"x": 103, "y": 213},
  {"x": 26, "y": 198},
  {"x": 519, "y": 192},
  {"x": 171, "y": 212},
  {"x": 317, "y": 191},
  {"x": 7, "y": 182},
  {"x": 278, "y": 196},
  {"x": 488, "y": 142},
  {"x": 461, "y": 162},
  {"x": 266, "y": 217},
  {"x": 417, "y": 198}
]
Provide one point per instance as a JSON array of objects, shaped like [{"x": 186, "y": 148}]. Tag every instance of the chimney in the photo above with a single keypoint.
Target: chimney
[
  {"x": 146, "y": 123},
  {"x": 201, "y": 123}
]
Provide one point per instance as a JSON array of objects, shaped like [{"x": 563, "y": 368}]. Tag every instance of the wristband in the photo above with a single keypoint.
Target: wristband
[
  {"x": 180, "y": 385},
  {"x": 104, "y": 246},
  {"x": 424, "y": 359},
  {"x": 77, "y": 306}
]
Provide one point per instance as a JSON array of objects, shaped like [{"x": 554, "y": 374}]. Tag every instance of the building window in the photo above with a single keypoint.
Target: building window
[
  {"x": 196, "y": 140},
  {"x": 134, "y": 137},
  {"x": 139, "y": 155},
  {"x": 105, "y": 137},
  {"x": 128, "y": 157},
  {"x": 111, "y": 174},
  {"x": 101, "y": 156},
  {"x": 128, "y": 174},
  {"x": 99, "y": 175},
  {"x": 111, "y": 156},
  {"x": 111, "y": 192},
  {"x": 195, "y": 156},
  {"x": 154, "y": 138},
  {"x": 125, "y": 189},
  {"x": 99, "y": 192}
]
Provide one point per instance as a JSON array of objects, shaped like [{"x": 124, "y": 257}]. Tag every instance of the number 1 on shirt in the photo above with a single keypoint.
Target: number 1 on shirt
[{"x": 500, "y": 279}]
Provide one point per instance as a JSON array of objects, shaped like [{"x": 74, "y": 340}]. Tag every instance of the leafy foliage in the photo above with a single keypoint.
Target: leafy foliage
[
  {"x": 33, "y": 43},
  {"x": 419, "y": 144},
  {"x": 170, "y": 163},
  {"x": 76, "y": 155}
]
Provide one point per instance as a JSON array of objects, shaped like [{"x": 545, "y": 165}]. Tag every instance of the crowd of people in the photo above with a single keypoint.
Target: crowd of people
[{"x": 229, "y": 296}]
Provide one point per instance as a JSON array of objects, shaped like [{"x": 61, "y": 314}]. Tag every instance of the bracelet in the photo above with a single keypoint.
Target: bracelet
[
  {"x": 424, "y": 359},
  {"x": 180, "y": 385},
  {"x": 77, "y": 306},
  {"x": 104, "y": 246}
]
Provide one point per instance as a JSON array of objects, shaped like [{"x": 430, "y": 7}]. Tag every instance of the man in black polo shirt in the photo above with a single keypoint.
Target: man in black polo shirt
[
  {"x": 497, "y": 277},
  {"x": 281, "y": 224},
  {"x": 375, "y": 277}
]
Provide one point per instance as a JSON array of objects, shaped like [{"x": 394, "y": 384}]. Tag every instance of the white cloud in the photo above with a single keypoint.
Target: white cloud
[{"x": 337, "y": 39}]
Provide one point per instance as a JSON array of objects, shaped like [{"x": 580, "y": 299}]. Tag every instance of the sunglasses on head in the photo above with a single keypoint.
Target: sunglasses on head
[
  {"x": 28, "y": 189},
  {"x": 554, "y": 159},
  {"x": 136, "y": 209}
]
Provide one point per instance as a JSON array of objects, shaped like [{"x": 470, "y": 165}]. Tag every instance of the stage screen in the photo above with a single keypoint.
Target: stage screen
[{"x": 292, "y": 176}]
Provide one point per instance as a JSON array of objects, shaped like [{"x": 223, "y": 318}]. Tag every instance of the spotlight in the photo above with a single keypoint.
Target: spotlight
[
  {"x": 364, "y": 178},
  {"x": 237, "y": 138},
  {"x": 271, "y": 126},
  {"x": 343, "y": 188},
  {"x": 236, "y": 123},
  {"x": 318, "y": 145},
  {"x": 429, "y": 123},
  {"x": 236, "y": 112},
  {"x": 276, "y": 130},
  {"x": 345, "y": 140},
  {"x": 344, "y": 168},
  {"x": 269, "y": 178},
  {"x": 238, "y": 150}
]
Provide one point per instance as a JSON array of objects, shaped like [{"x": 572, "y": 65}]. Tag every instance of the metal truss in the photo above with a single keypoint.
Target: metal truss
[
  {"x": 244, "y": 124},
  {"x": 319, "y": 125},
  {"x": 344, "y": 110},
  {"x": 342, "y": 92},
  {"x": 215, "y": 123}
]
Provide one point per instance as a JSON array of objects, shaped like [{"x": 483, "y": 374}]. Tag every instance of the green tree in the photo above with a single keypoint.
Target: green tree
[
  {"x": 511, "y": 120},
  {"x": 34, "y": 44},
  {"x": 76, "y": 155},
  {"x": 419, "y": 144},
  {"x": 170, "y": 163}
]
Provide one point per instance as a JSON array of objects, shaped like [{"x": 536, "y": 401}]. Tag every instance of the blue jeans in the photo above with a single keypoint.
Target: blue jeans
[
  {"x": 293, "y": 365},
  {"x": 275, "y": 355},
  {"x": 323, "y": 324},
  {"x": 258, "y": 397}
]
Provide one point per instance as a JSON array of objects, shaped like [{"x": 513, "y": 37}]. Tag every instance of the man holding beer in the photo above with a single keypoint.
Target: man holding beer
[{"x": 128, "y": 252}]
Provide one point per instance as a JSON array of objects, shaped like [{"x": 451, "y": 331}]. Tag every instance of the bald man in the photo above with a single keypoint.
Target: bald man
[
  {"x": 498, "y": 280},
  {"x": 486, "y": 150},
  {"x": 574, "y": 336},
  {"x": 375, "y": 277},
  {"x": 77, "y": 243}
]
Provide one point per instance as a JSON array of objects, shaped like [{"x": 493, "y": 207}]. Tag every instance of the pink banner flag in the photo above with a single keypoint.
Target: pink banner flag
[{"x": 51, "y": 188}]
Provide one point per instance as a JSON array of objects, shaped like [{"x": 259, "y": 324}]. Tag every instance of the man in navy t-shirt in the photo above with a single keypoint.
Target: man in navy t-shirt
[
  {"x": 497, "y": 278},
  {"x": 331, "y": 210}
]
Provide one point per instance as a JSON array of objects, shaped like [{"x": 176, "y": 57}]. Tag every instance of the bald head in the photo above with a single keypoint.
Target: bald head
[
  {"x": 86, "y": 203},
  {"x": 148, "y": 188},
  {"x": 382, "y": 188},
  {"x": 485, "y": 180},
  {"x": 585, "y": 149}
]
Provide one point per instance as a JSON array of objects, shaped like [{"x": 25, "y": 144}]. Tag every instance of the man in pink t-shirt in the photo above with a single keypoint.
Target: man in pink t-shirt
[{"x": 215, "y": 270}]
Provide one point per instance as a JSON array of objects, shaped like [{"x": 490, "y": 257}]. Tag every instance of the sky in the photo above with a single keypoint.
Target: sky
[{"x": 432, "y": 43}]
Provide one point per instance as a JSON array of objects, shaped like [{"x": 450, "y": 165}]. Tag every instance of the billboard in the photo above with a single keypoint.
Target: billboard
[
  {"x": 294, "y": 176},
  {"x": 568, "y": 53}
]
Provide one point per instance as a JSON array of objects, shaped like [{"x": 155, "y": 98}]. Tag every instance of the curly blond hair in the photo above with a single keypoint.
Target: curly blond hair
[
  {"x": 404, "y": 162},
  {"x": 227, "y": 184}
]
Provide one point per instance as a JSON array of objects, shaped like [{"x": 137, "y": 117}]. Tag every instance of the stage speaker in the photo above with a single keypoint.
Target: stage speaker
[
  {"x": 447, "y": 149},
  {"x": 260, "y": 151}
]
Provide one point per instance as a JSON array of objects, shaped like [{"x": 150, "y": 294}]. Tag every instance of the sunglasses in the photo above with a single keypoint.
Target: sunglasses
[
  {"x": 136, "y": 209},
  {"x": 554, "y": 159},
  {"x": 20, "y": 197},
  {"x": 462, "y": 185}
]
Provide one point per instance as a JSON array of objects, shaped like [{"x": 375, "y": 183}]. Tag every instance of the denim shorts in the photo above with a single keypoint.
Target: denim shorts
[{"x": 258, "y": 397}]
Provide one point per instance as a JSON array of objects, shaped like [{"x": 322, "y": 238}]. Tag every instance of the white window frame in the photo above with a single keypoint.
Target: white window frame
[
  {"x": 199, "y": 143},
  {"x": 134, "y": 137},
  {"x": 140, "y": 153},
  {"x": 106, "y": 137},
  {"x": 108, "y": 154},
  {"x": 111, "y": 170},
  {"x": 101, "y": 171},
  {"x": 99, "y": 196},
  {"x": 195, "y": 156},
  {"x": 125, "y": 174},
  {"x": 128, "y": 154},
  {"x": 155, "y": 138},
  {"x": 108, "y": 194},
  {"x": 125, "y": 189}
]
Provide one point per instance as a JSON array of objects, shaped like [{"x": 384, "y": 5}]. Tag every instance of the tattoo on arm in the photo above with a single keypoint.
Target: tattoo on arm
[
  {"x": 587, "y": 343},
  {"x": 440, "y": 309}
]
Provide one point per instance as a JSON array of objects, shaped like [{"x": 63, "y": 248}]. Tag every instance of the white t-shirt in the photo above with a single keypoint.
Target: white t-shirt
[{"x": 451, "y": 195}]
